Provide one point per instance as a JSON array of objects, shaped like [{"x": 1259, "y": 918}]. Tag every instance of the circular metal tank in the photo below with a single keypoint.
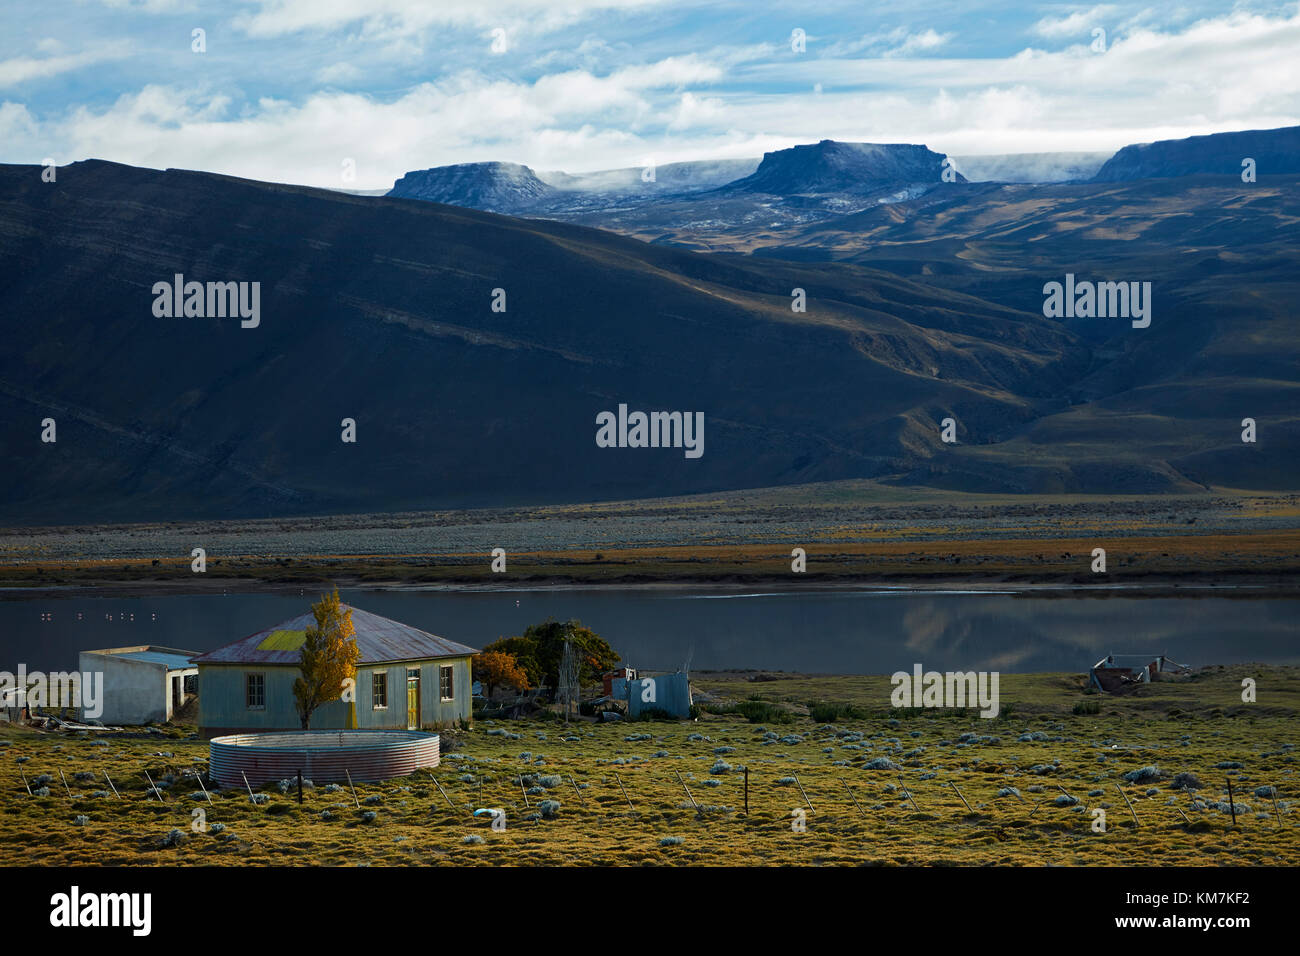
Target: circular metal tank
[{"x": 323, "y": 756}]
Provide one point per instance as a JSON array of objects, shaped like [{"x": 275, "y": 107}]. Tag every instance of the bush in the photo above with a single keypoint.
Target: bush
[
  {"x": 1185, "y": 781},
  {"x": 472, "y": 838},
  {"x": 880, "y": 763},
  {"x": 1087, "y": 707},
  {"x": 174, "y": 837},
  {"x": 1143, "y": 774},
  {"x": 826, "y": 711},
  {"x": 754, "y": 711},
  {"x": 549, "y": 809},
  {"x": 655, "y": 713},
  {"x": 670, "y": 841}
]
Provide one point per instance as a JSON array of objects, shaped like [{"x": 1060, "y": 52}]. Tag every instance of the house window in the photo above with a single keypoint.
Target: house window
[
  {"x": 379, "y": 691},
  {"x": 255, "y": 691},
  {"x": 447, "y": 683}
]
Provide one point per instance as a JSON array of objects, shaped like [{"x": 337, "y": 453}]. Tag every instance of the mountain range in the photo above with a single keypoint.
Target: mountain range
[{"x": 474, "y": 350}]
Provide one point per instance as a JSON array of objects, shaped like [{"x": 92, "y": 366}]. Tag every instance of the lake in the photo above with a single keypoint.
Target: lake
[{"x": 845, "y": 631}]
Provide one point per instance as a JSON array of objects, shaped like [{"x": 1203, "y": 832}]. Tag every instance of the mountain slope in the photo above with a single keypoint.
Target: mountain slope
[
  {"x": 1275, "y": 151},
  {"x": 846, "y": 168},
  {"x": 379, "y": 310},
  {"x": 494, "y": 187}
]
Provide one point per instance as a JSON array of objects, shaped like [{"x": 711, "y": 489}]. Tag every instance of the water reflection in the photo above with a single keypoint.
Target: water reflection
[{"x": 818, "y": 632}]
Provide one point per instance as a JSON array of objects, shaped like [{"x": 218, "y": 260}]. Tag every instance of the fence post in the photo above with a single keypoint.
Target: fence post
[
  {"x": 852, "y": 797},
  {"x": 963, "y": 799},
  {"x": 629, "y": 799},
  {"x": 1130, "y": 805},
  {"x": 688, "y": 792},
  {"x": 800, "y": 786}
]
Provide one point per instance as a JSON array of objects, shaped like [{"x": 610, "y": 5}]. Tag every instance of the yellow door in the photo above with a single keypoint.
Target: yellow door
[{"x": 413, "y": 700}]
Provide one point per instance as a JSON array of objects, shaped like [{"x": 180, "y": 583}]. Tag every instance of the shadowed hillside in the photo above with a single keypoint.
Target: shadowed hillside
[{"x": 380, "y": 310}]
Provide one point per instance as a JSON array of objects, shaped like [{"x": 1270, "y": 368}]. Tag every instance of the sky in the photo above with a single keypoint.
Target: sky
[{"x": 354, "y": 93}]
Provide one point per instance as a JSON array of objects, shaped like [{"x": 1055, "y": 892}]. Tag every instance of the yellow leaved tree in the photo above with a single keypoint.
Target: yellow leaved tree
[{"x": 329, "y": 657}]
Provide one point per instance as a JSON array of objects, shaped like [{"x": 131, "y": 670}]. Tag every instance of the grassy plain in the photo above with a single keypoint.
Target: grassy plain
[
  {"x": 1045, "y": 741},
  {"x": 851, "y": 532}
]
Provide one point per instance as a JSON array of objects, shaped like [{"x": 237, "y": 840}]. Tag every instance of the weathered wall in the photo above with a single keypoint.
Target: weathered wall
[
  {"x": 670, "y": 692},
  {"x": 134, "y": 692},
  {"x": 222, "y": 708}
]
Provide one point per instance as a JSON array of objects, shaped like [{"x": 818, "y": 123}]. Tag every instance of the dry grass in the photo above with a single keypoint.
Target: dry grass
[{"x": 1183, "y": 727}]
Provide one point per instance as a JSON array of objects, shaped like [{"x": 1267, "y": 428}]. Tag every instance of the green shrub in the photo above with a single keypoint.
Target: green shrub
[
  {"x": 754, "y": 711},
  {"x": 827, "y": 711}
]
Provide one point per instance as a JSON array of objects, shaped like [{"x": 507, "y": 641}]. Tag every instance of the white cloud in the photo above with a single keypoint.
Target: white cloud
[
  {"x": 338, "y": 74},
  {"x": 389, "y": 17},
  {"x": 1079, "y": 22},
  {"x": 922, "y": 42},
  {"x": 897, "y": 42},
  {"x": 23, "y": 68},
  {"x": 706, "y": 106}
]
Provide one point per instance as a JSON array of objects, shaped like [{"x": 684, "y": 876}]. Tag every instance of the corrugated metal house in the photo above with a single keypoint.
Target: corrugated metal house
[
  {"x": 407, "y": 679},
  {"x": 669, "y": 693}
]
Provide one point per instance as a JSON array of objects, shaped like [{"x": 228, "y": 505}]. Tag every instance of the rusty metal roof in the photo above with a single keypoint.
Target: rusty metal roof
[{"x": 379, "y": 639}]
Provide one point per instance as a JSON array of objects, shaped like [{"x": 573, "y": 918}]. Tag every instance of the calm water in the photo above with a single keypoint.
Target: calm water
[{"x": 859, "y": 631}]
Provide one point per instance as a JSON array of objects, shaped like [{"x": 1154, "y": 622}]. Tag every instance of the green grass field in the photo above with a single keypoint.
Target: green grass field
[{"x": 1045, "y": 742}]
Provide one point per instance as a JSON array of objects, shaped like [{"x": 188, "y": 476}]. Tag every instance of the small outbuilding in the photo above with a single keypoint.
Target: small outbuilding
[
  {"x": 407, "y": 679},
  {"x": 663, "y": 693},
  {"x": 1118, "y": 672},
  {"x": 142, "y": 684}
]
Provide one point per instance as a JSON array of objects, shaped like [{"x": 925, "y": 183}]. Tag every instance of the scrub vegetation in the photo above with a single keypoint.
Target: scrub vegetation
[{"x": 880, "y": 783}]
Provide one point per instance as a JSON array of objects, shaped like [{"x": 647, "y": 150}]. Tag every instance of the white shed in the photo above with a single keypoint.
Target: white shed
[{"x": 142, "y": 684}]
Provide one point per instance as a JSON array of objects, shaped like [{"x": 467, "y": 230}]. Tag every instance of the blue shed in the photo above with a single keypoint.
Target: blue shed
[{"x": 666, "y": 692}]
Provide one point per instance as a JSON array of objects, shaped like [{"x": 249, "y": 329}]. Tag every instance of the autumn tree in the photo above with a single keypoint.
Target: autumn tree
[
  {"x": 494, "y": 668},
  {"x": 524, "y": 652},
  {"x": 329, "y": 657}
]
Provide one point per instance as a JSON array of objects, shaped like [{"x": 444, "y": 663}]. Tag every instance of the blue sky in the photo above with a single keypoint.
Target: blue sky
[{"x": 356, "y": 92}]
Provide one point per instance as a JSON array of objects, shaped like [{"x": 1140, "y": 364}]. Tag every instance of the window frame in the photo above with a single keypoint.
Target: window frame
[
  {"x": 249, "y": 677},
  {"x": 376, "y": 678},
  {"x": 447, "y": 678}
]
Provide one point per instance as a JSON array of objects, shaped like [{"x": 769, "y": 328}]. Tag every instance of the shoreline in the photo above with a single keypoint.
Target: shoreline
[{"x": 1244, "y": 586}]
